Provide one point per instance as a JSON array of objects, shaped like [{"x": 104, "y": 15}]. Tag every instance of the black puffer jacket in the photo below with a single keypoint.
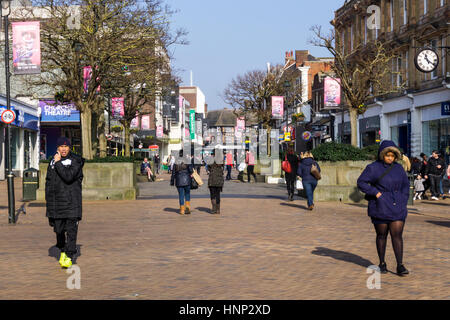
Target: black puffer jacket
[
  {"x": 63, "y": 187},
  {"x": 215, "y": 178},
  {"x": 432, "y": 166},
  {"x": 181, "y": 175}
]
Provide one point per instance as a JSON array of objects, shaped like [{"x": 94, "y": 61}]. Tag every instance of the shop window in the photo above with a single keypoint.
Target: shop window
[{"x": 15, "y": 148}]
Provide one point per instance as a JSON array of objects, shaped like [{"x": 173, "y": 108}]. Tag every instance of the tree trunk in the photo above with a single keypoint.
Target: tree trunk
[
  {"x": 126, "y": 128},
  {"x": 101, "y": 135},
  {"x": 94, "y": 132},
  {"x": 354, "y": 125},
  {"x": 86, "y": 141}
]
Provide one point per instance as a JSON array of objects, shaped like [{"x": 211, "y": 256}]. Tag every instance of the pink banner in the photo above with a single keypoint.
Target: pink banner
[
  {"x": 240, "y": 127},
  {"x": 134, "y": 123},
  {"x": 332, "y": 92},
  {"x": 87, "y": 76},
  {"x": 117, "y": 108},
  {"x": 145, "y": 123},
  {"x": 277, "y": 107},
  {"x": 159, "y": 132},
  {"x": 26, "y": 47}
]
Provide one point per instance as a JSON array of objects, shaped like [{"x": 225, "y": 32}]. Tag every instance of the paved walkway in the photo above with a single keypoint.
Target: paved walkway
[{"x": 260, "y": 247}]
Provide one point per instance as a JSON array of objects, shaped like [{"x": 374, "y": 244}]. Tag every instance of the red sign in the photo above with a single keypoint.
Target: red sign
[{"x": 8, "y": 116}]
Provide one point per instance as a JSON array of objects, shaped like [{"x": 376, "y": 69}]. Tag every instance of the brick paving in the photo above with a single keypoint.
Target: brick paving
[{"x": 260, "y": 247}]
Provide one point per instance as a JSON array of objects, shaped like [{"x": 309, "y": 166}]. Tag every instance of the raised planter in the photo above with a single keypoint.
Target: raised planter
[{"x": 102, "y": 181}]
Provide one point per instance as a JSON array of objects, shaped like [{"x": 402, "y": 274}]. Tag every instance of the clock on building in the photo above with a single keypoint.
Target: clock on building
[{"x": 426, "y": 60}]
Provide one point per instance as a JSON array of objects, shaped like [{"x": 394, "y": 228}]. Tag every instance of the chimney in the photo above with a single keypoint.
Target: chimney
[
  {"x": 289, "y": 57},
  {"x": 301, "y": 56}
]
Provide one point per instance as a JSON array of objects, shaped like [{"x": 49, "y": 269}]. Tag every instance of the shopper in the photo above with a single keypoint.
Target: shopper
[
  {"x": 250, "y": 161},
  {"x": 308, "y": 180},
  {"x": 291, "y": 177},
  {"x": 215, "y": 184},
  {"x": 434, "y": 172},
  {"x": 229, "y": 163},
  {"x": 386, "y": 186},
  {"x": 157, "y": 162},
  {"x": 64, "y": 200},
  {"x": 418, "y": 187},
  {"x": 181, "y": 177}
]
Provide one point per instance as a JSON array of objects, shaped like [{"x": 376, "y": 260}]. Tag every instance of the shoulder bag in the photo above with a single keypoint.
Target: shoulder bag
[
  {"x": 286, "y": 166},
  {"x": 315, "y": 172}
]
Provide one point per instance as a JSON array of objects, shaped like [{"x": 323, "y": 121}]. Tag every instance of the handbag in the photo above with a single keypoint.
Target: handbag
[
  {"x": 286, "y": 166},
  {"x": 197, "y": 178},
  {"x": 315, "y": 172},
  {"x": 369, "y": 197},
  {"x": 194, "y": 184}
]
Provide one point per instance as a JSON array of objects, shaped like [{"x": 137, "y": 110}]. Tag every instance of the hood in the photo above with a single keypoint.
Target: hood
[
  {"x": 388, "y": 146},
  {"x": 308, "y": 161}
]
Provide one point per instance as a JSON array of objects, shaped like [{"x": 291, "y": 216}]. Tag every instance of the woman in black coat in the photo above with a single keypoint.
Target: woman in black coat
[
  {"x": 291, "y": 177},
  {"x": 215, "y": 184},
  {"x": 386, "y": 186},
  {"x": 181, "y": 177}
]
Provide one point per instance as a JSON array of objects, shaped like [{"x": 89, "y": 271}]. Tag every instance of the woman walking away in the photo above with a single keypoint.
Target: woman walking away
[
  {"x": 386, "y": 186},
  {"x": 215, "y": 184},
  {"x": 181, "y": 177},
  {"x": 308, "y": 180},
  {"x": 291, "y": 177}
]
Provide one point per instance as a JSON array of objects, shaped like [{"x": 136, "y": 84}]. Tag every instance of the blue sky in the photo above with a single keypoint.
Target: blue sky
[{"x": 232, "y": 37}]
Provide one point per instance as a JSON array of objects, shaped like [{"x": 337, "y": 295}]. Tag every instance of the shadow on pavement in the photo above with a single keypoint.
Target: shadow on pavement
[
  {"x": 293, "y": 205},
  {"x": 440, "y": 223},
  {"x": 361, "y": 205},
  {"x": 54, "y": 252},
  {"x": 172, "y": 210},
  {"x": 342, "y": 255},
  {"x": 436, "y": 203},
  {"x": 203, "y": 209}
]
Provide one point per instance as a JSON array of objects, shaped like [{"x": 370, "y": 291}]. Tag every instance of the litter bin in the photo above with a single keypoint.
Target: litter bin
[{"x": 30, "y": 184}]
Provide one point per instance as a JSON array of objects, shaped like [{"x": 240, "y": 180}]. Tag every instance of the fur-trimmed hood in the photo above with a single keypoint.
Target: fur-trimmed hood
[{"x": 388, "y": 146}]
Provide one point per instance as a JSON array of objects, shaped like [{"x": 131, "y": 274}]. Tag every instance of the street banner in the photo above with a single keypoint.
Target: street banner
[
  {"x": 192, "y": 123},
  {"x": 87, "y": 76},
  {"x": 277, "y": 107},
  {"x": 117, "y": 108},
  {"x": 332, "y": 92},
  {"x": 134, "y": 123},
  {"x": 159, "y": 132},
  {"x": 240, "y": 127},
  {"x": 54, "y": 112},
  {"x": 145, "y": 123},
  {"x": 26, "y": 47}
]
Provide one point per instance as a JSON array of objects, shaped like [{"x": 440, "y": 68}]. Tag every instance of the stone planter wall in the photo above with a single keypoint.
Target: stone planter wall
[{"x": 102, "y": 181}]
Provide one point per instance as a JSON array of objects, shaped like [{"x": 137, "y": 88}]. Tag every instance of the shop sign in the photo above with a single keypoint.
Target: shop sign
[
  {"x": 306, "y": 136},
  {"x": 53, "y": 112},
  {"x": 445, "y": 108}
]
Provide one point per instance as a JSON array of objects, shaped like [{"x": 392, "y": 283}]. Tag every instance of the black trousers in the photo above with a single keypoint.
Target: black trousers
[
  {"x": 250, "y": 172},
  {"x": 435, "y": 187},
  {"x": 228, "y": 172},
  {"x": 66, "y": 234},
  {"x": 290, "y": 183},
  {"x": 215, "y": 193}
]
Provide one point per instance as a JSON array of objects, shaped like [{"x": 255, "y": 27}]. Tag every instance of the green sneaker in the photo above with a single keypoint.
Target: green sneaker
[{"x": 65, "y": 261}]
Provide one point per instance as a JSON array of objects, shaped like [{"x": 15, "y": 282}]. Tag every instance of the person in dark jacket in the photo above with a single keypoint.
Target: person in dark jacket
[
  {"x": 308, "y": 180},
  {"x": 63, "y": 199},
  {"x": 386, "y": 184},
  {"x": 423, "y": 168},
  {"x": 291, "y": 177},
  {"x": 434, "y": 172},
  {"x": 181, "y": 177},
  {"x": 157, "y": 162},
  {"x": 215, "y": 184}
]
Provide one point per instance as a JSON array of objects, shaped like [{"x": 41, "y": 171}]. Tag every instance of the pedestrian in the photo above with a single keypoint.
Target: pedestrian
[
  {"x": 386, "y": 186},
  {"x": 172, "y": 162},
  {"x": 291, "y": 177},
  {"x": 146, "y": 169},
  {"x": 434, "y": 172},
  {"x": 308, "y": 180},
  {"x": 250, "y": 162},
  {"x": 64, "y": 200},
  {"x": 418, "y": 187},
  {"x": 415, "y": 166},
  {"x": 157, "y": 162},
  {"x": 181, "y": 177},
  {"x": 229, "y": 164},
  {"x": 406, "y": 164},
  {"x": 423, "y": 169},
  {"x": 215, "y": 184}
]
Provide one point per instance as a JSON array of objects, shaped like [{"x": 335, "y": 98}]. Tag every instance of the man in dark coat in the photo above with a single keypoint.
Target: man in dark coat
[
  {"x": 64, "y": 200},
  {"x": 434, "y": 172}
]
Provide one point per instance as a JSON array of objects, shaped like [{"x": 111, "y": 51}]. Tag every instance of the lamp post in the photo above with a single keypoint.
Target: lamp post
[{"x": 6, "y": 10}]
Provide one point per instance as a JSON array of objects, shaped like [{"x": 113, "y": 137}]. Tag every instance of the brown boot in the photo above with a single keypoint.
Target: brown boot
[
  {"x": 218, "y": 208},
  {"x": 182, "y": 209},
  {"x": 214, "y": 206},
  {"x": 188, "y": 207},
  {"x": 311, "y": 207}
]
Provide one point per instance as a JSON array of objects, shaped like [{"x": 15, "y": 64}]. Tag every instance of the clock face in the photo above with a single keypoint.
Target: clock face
[{"x": 427, "y": 60}]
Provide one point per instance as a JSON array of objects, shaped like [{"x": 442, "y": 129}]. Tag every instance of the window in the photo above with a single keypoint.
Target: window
[
  {"x": 442, "y": 3},
  {"x": 391, "y": 5},
  {"x": 434, "y": 74},
  {"x": 407, "y": 67},
  {"x": 351, "y": 37},
  {"x": 405, "y": 11},
  {"x": 365, "y": 30},
  {"x": 443, "y": 53},
  {"x": 425, "y": 6}
]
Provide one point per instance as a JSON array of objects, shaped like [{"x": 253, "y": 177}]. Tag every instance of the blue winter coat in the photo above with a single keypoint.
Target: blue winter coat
[
  {"x": 304, "y": 169},
  {"x": 181, "y": 175},
  {"x": 394, "y": 188}
]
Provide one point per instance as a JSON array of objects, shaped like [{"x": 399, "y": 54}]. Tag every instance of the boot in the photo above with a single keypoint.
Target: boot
[
  {"x": 188, "y": 207},
  {"x": 214, "y": 206},
  {"x": 182, "y": 209},
  {"x": 218, "y": 208}
]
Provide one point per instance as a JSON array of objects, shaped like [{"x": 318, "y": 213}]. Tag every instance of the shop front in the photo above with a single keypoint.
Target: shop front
[
  {"x": 436, "y": 129},
  {"x": 369, "y": 129},
  {"x": 345, "y": 134},
  {"x": 58, "y": 120},
  {"x": 24, "y": 138}
]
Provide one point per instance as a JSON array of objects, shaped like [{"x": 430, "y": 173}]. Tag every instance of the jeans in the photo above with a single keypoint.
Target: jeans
[
  {"x": 184, "y": 193},
  {"x": 228, "y": 172},
  {"x": 157, "y": 168},
  {"x": 309, "y": 187},
  {"x": 435, "y": 184}
]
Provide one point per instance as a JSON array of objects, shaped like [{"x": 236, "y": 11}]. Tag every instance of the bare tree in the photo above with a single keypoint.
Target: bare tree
[{"x": 364, "y": 72}]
